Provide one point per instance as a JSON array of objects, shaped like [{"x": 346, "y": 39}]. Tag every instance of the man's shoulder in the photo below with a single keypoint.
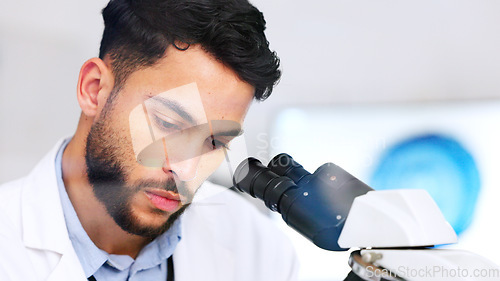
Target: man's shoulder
[
  {"x": 41, "y": 174},
  {"x": 10, "y": 187},
  {"x": 239, "y": 221},
  {"x": 242, "y": 237},
  {"x": 10, "y": 196},
  {"x": 10, "y": 211},
  {"x": 16, "y": 259},
  {"x": 227, "y": 206}
]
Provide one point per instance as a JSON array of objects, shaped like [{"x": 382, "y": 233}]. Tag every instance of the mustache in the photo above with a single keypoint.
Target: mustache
[{"x": 167, "y": 185}]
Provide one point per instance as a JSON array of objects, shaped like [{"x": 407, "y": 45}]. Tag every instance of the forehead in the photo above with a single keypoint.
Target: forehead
[{"x": 218, "y": 92}]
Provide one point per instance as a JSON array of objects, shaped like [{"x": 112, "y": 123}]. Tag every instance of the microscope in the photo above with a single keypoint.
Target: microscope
[{"x": 393, "y": 232}]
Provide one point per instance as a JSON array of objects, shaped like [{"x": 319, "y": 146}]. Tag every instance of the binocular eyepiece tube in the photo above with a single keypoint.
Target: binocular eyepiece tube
[
  {"x": 268, "y": 183},
  {"x": 315, "y": 205}
]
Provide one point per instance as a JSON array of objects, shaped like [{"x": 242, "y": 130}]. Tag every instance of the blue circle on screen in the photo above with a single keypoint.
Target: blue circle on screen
[{"x": 438, "y": 164}]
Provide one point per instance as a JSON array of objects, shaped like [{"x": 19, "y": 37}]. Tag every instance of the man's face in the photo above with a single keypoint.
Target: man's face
[{"x": 163, "y": 134}]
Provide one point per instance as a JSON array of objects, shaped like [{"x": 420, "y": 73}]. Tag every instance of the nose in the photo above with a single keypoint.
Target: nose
[
  {"x": 182, "y": 160},
  {"x": 183, "y": 170}
]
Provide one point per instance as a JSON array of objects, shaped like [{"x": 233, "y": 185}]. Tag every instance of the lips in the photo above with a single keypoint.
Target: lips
[{"x": 164, "y": 200}]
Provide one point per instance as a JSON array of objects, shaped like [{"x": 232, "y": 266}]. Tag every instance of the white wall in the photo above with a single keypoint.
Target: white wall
[
  {"x": 42, "y": 46},
  {"x": 362, "y": 51}
]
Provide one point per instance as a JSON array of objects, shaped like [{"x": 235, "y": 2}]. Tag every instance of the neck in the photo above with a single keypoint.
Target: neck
[{"x": 99, "y": 225}]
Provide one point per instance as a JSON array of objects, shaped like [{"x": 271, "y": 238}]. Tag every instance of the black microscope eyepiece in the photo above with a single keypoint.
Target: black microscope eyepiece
[
  {"x": 254, "y": 178},
  {"x": 316, "y": 205},
  {"x": 284, "y": 165}
]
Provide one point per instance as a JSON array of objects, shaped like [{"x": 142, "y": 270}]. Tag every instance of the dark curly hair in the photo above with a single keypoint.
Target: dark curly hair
[{"x": 138, "y": 32}]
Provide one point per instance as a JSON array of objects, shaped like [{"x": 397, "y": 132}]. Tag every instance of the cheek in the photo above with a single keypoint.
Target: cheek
[
  {"x": 140, "y": 202},
  {"x": 131, "y": 135},
  {"x": 209, "y": 162},
  {"x": 139, "y": 132}
]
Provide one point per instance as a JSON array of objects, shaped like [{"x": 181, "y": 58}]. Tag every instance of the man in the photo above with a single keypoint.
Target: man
[{"x": 169, "y": 91}]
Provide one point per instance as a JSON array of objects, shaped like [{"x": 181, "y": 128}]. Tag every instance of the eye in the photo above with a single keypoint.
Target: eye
[
  {"x": 165, "y": 125},
  {"x": 216, "y": 144}
]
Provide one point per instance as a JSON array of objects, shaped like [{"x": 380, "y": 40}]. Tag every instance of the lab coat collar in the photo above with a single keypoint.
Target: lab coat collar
[{"x": 44, "y": 227}]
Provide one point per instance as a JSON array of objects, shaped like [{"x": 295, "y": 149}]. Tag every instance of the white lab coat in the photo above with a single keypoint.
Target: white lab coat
[{"x": 224, "y": 239}]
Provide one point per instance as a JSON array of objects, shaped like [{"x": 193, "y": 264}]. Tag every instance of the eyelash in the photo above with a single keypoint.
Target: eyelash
[
  {"x": 216, "y": 144},
  {"x": 166, "y": 125}
]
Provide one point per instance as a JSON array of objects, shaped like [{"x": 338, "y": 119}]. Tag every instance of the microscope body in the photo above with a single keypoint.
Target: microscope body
[
  {"x": 319, "y": 207},
  {"x": 394, "y": 229}
]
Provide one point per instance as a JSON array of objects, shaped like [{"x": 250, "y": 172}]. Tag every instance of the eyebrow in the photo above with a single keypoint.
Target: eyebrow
[
  {"x": 179, "y": 109},
  {"x": 175, "y": 106},
  {"x": 230, "y": 133}
]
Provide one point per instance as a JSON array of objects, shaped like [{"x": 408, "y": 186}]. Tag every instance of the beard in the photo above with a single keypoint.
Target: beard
[{"x": 105, "y": 157}]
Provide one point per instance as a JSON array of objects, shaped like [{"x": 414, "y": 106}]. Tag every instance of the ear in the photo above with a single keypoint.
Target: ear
[{"x": 95, "y": 83}]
